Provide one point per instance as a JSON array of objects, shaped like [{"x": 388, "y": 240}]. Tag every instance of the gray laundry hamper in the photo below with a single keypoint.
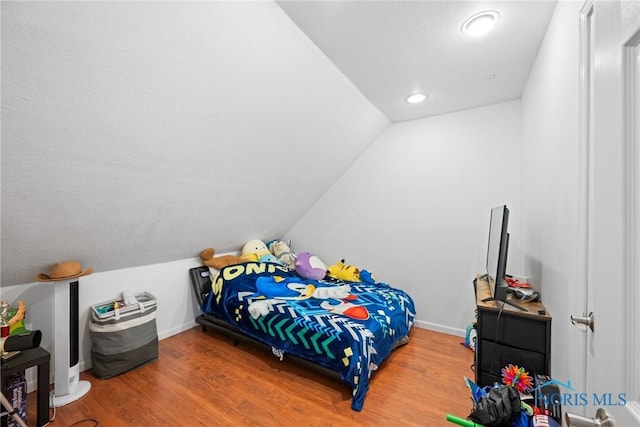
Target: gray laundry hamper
[{"x": 125, "y": 338}]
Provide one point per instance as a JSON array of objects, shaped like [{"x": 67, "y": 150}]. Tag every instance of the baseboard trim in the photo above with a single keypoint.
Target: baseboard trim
[
  {"x": 176, "y": 330},
  {"x": 440, "y": 328}
]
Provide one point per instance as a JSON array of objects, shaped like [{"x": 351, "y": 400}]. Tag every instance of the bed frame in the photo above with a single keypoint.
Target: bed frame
[{"x": 201, "y": 282}]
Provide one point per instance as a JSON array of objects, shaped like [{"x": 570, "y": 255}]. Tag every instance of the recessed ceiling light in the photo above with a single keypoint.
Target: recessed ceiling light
[
  {"x": 416, "y": 98},
  {"x": 480, "y": 23}
]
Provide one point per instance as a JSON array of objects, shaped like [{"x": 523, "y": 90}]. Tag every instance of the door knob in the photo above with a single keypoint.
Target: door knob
[
  {"x": 582, "y": 320},
  {"x": 602, "y": 419}
]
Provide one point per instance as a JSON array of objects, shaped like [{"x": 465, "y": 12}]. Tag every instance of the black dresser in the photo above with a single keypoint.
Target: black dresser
[{"x": 507, "y": 335}]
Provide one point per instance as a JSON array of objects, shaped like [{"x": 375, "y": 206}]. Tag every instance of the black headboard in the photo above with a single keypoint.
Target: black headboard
[{"x": 201, "y": 281}]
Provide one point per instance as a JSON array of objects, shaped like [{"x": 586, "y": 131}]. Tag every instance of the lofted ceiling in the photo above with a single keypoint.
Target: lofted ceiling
[
  {"x": 392, "y": 49},
  {"x": 136, "y": 133}
]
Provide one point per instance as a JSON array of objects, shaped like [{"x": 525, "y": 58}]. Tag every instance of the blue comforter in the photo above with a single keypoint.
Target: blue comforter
[{"x": 348, "y": 327}]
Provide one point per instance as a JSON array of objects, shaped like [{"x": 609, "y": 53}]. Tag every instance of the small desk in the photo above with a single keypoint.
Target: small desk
[{"x": 40, "y": 358}]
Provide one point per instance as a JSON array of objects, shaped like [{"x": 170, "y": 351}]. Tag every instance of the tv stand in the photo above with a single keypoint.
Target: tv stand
[
  {"x": 510, "y": 335},
  {"x": 511, "y": 303}
]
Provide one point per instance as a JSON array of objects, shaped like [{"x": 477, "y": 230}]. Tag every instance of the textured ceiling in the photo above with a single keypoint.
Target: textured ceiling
[{"x": 391, "y": 49}]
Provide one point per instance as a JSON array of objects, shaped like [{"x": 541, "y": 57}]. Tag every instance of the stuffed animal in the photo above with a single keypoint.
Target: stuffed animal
[
  {"x": 256, "y": 250},
  {"x": 207, "y": 257},
  {"x": 282, "y": 250},
  {"x": 309, "y": 266},
  {"x": 253, "y": 250},
  {"x": 342, "y": 271},
  {"x": 269, "y": 258}
]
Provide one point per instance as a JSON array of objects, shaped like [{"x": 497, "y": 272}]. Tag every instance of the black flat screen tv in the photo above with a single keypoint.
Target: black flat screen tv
[{"x": 497, "y": 250}]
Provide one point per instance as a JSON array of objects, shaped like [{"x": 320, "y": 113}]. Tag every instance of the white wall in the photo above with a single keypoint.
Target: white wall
[
  {"x": 414, "y": 208},
  {"x": 550, "y": 189},
  {"x": 135, "y": 133},
  {"x": 168, "y": 282}
]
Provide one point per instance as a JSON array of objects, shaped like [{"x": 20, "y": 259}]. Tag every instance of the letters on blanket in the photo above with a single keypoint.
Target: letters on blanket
[{"x": 350, "y": 327}]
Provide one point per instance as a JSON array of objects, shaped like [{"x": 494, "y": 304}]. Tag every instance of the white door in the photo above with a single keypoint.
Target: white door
[{"x": 612, "y": 129}]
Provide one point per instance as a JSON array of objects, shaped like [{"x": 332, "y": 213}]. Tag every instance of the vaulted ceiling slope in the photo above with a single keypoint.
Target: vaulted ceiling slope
[
  {"x": 392, "y": 49},
  {"x": 136, "y": 133}
]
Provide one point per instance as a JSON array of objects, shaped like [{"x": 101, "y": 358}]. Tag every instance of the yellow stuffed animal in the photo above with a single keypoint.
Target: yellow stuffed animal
[
  {"x": 342, "y": 271},
  {"x": 255, "y": 250}
]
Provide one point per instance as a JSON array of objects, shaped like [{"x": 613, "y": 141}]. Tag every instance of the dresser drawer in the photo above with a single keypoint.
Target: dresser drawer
[
  {"x": 497, "y": 356},
  {"x": 516, "y": 331}
]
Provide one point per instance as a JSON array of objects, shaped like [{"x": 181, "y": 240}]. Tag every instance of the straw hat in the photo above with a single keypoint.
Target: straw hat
[{"x": 64, "y": 271}]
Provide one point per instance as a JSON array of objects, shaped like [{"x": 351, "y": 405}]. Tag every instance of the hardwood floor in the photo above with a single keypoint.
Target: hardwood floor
[{"x": 202, "y": 379}]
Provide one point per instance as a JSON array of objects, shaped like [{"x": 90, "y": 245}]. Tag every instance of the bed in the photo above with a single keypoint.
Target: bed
[{"x": 345, "y": 328}]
